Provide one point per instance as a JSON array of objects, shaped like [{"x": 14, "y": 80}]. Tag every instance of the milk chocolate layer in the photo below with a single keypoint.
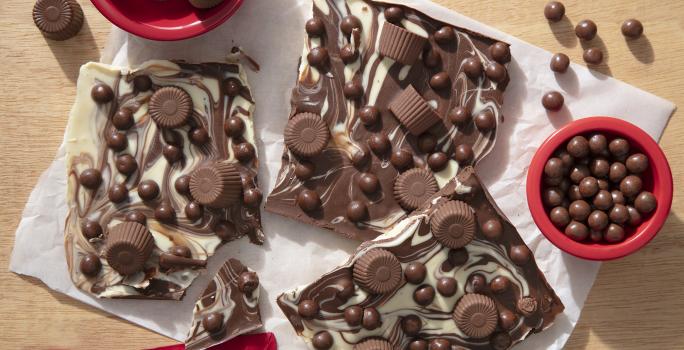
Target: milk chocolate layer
[
  {"x": 368, "y": 64},
  {"x": 488, "y": 294},
  {"x": 125, "y": 163}
]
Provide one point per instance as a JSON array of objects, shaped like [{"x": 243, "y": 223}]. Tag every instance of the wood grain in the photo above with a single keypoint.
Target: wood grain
[{"x": 636, "y": 302}]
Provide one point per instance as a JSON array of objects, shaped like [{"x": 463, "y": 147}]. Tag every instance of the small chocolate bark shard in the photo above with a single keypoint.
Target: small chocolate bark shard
[
  {"x": 400, "y": 45},
  {"x": 413, "y": 111}
]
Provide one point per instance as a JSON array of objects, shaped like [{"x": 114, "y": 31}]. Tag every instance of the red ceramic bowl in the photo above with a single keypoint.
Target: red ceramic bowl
[
  {"x": 657, "y": 179},
  {"x": 165, "y": 19}
]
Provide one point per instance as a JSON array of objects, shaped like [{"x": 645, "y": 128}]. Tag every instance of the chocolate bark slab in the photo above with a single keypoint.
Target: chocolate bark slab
[
  {"x": 162, "y": 167},
  {"x": 454, "y": 273},
  {"x": 397, "y": 92},
  {"x": 227, "y": 308}
]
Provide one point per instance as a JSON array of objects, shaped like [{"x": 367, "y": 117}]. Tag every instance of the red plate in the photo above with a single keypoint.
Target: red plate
[
  {"x": 657, "y": 179},
  {"x": 165, "y": 19}
]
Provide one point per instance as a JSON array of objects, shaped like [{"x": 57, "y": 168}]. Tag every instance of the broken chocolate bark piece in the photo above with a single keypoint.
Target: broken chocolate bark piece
[
  {"x": 161, "y": 171},
  {"x": 382, "y": 93},
  {"x": 228, "y": 307},
  {"x": 438, "y": 278}
]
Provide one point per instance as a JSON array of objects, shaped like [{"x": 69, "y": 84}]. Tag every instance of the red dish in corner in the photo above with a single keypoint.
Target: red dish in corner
[
  {"x": 165, "y": 20},
  {"x": 658, "y": 180}
]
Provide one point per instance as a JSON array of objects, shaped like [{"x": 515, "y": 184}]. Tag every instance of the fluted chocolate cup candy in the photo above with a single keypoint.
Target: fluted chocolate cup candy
[
  {"x": 128, "y": 247},
  {"x": 217, "y": 185},
  {"x": 58, "y": 19}
]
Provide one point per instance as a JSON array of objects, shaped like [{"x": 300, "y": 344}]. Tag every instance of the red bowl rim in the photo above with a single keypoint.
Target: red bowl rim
[
  {"x": 165, "y": 34},
  {"x": 646, "y": 232}
]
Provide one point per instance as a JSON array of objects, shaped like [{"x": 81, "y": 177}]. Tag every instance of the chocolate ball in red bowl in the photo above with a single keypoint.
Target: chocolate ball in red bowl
[
  {"x": 656, "y": 179},
  {"x": 165, "y": 20}
]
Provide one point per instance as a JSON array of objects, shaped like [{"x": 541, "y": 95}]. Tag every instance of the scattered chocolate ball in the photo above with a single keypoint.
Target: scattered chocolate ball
[
  {"x": 593, "y": 55},
  {"x": 440, "y": 344},
  {"x": 496, "y": 72},
  {"x": 553, "y": 101},
  {"x": 123, "y": 119},
  {"x": 136, "y": 216},
  {"x": 603, "y": 184},
  {"x": 415, "y": 272},
  {"x": 369, "y": 115},
  {"x": 603, "y": 200},
  {"x": 402, "y": 159},
  {"x": 102, "y": 93},
  {"x": 578, "y": 147},
  {"x": 318, "y": 57},
  {"x": 411, "y": 325},
  {"x": 308, "y": 200},
  {"x": 500, "y": 284},
  {"x": 424, "y": 295},
  {"x": 472, "y": 67},
  {"x": 418, "y": 344},
  {"x": 394, "y": 14},
  {"x": 464, "y": 154},
  {"x": 560, "y": 63},
  {"x": 248, "y": 282},
  {"x": 577, "y": 231},
  {"x": 586, "y": 29},
  {"x": 588, "y": 187},
  {"x": 349, "y": 24},
  {"x": 554, "y": 11},
  {"x": 379, "y": 143},
  {"x": 432, "y": 59},
  {"x": 598, "y": 220},
  {"x": 305, "y": 170},
  {"x": 118, "y": 193},
  {"x": 91, "y": 229},
  {"x": 600, "y": 168},
  {"x": 349, "y": 54},
  {"x": 619, "y": 214},
  {"x": 568, "y": 160},
  {"x": 371, "y": 319},
  {"x": 368, "y": 183},
  {"x": 637, "y": 163},
  {"x": 148, "y": 190},
  {"x": 445, "y": 35},
  {"x": 181, "y": 250},
  {"x": 315, "y": 27},
  {"x": 142, "y": 83},
  {"x": 492, "y": 229},
  {"x": 598, "y": 145},
  {"x": 618, "y": 197},
  {"x": 322, "y": 340},
  {"x": 233, "y": 87},
  {"x": 117, "y": 141},
  {"x": 353, "y": 89},
  {"x": 619, "y": 148},
  {"x": 126, "y": 164},
  {"x": 617, "y": 172},
  {"x": 645, "y": 202},
  {"x": 460, "y": 116},
  {"x": 182, "y": 184},
  {"x": 578, "y": 173},
  {"x": 614, "y": 233},
  {"x": 440, "y": 81},
  {"x": 165, "y": 212},
  {"x": 252, "y": 197},
  {"x": 631, "y": 185},
  {"x": 579, "y": 210},
  {"x": 213, "y": 322},
  {"x": 90, "y": 265},
  {"x": 485, "y": 121},
  {"x": 635, "y": 218},
  {"x": 172, "y": 153},
  {"x": 507, "y": 319},
  {"x": 90, "y": 178},
  {"x": 446, "y": 286},
  {"x": 476, "y": 283},
  {"x": 244, "y": 152},
  {"x": 632, "y": 28},
  {"x": 194, "y": 211},
  {"x": 199, "y": 136},
  {"x": 574, "y": 193},
  {"x": 500, "y": 52},
  {"x": 520, "y": 254},
  {"x": 234, "y": 126},
  {"x": 559, "y": 216},
  {"x": 357, "y": 211},
  {"x": 353, "y": 315},
  {"x": 552, "y": 196},
  {"x": 308, "y": 309},
  {"x": 458, "y": 257},
  {"x": 437, "y": 161}
]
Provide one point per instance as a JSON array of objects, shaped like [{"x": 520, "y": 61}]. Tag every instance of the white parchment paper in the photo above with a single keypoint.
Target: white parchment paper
[{"x": 295, "y": 254}]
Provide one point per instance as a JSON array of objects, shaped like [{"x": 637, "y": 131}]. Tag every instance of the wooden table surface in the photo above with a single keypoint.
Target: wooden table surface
[{"x": 636, "y": 302}]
